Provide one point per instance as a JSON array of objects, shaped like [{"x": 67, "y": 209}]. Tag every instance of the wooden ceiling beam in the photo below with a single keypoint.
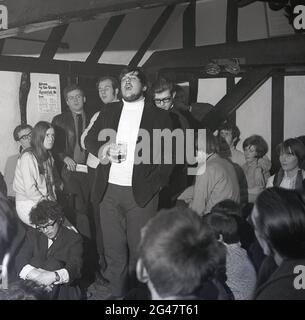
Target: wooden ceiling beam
[
  {"x": 105, "y": 38},
  {"x": 50, "y": 48},
  {"x": 266, "y": 52},
  {"x": 250, "y": 82},
  {"x": 40, "y": 65},
  {"x": 156, "y": 29}
]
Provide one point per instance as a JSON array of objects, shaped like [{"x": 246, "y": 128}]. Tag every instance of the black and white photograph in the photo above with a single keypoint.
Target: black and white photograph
[{"x": 152, "y": 150}]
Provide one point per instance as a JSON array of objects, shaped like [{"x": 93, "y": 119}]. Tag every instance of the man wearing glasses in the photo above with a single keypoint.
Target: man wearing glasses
[
  {"x": 51, "y": 255},
  {"x": 68, "y": 153},
  {"x": 22, "y": 135},
  {"x": 163, "y": 92}
]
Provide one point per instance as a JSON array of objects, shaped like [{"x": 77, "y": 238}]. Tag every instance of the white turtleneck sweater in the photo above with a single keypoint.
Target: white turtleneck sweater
[{"x": 128, "y": 129}]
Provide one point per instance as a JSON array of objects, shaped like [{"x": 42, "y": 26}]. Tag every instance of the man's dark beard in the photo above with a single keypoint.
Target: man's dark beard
[{"x": 133, "y": 97}]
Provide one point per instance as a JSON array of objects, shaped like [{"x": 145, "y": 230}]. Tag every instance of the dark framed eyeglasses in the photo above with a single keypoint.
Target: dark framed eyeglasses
[
  {"x": 25, "y": 136},
  {"x": 48, "y": 225},
  {"x": 164, "y": 100}
]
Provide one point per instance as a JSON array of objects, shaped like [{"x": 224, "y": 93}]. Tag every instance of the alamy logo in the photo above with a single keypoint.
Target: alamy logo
[
  {"x": 299, "y": 280},
  {"x": 299, "y": 19}
]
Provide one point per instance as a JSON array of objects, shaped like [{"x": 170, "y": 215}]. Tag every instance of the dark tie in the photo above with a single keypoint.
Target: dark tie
[{"x": 79, "y": 128}]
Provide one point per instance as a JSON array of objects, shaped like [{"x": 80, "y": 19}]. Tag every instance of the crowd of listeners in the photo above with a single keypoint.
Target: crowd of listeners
[{"x": 230, "y": 231}]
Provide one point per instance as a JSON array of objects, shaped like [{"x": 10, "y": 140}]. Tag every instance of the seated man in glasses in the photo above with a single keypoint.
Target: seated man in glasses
[
  {"x": 22, "y": 135},
  {"x": 51, "y": 254}
]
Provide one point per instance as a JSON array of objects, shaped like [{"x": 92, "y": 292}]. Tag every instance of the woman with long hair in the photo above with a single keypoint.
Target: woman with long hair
[
  {"x": 35, "y": 175},
  {"x": 291, "y": 175}
]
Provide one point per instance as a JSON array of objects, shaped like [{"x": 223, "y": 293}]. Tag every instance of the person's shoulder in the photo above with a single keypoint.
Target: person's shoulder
[
  {"x": 27, "y": 156},
  {"x": 71, "y": 234}
]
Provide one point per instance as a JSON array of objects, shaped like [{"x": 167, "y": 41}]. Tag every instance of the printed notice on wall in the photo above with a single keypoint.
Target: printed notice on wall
[{"x": 47, "y": 97}]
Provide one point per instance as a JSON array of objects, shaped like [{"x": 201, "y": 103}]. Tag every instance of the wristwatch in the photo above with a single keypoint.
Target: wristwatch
[{"x": 57, "y": 277}]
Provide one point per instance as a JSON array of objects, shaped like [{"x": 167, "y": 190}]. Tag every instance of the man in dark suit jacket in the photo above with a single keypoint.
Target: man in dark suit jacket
[
  {"x": 51, "y": 254},
  {"x": 68, "y": 153},
  {"x": 127, "y": 188}
]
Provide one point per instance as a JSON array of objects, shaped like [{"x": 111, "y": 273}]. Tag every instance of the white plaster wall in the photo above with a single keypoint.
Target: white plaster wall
[
  {"x": 9, "y": 114},
  {"x": 294, "y": 114}
]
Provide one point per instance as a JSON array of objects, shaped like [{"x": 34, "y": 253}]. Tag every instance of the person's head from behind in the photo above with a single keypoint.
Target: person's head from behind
[
  {"x": 224, "y": 225},
  {"x": 230, "y": 133},
  {"x": 279, "y": 221},
  {"x": 75, "y": 98},
  {"x": 163, "y": 93},
  {"x": 47, "y": 216},
  {"x": 43, "y": 137},
  {"x": 23, "y": 134},
  {"x": 8, "y": 225},
  {"x": 205, "y": 145},
  {"x": 291, "y": 154},
  {"x": 178, "y": 253},
  {"x": 133, "y": 84},
  {"x": 180, "y": 96},
  {"x": 25, "y": 290},
  {"x": 108, "y": 89},
  {"x": 255, "y": 147}
]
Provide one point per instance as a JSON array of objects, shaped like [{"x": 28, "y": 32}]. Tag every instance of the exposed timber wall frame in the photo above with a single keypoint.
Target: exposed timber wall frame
[
  {"x": 277, "y": 117},
  {"x": 250, "y": 82},
  {"x": 156, "y": 29},
  {"x": 232, "y": 21},
  {"x": 105, "y": 38},
  {"x": 40, "y": 65},
  {"x": 189, "y": 26},
  {"x": 50, "y": 48}
]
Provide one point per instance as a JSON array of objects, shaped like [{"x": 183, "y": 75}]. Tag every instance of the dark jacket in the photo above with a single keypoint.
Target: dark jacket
[
  {"x": 66, "y": 252},
  {"x": 65, "y": 136},
  {"x": 147, "y": 179},
  {"x": 280, "y": 285}
]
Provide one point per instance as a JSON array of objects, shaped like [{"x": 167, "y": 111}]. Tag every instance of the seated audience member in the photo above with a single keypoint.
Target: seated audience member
[
  {"x": 231, "y": 134},
  {"x": 51, "y": 254},
  {"x": 216, "y": 179},
  {"x": 22, "y": 135},
  {"x": 292, "y": 156},
  {"x": 35, "y": 174},
  {"x": 279, "y": 220},
  {"x": 241, "y": 275},
  {"x": 180, "y": 257},
  {"x": 8, "y": 228},
  {"x": 245, "y": 230},
  {"x": 257, "y": 166}
]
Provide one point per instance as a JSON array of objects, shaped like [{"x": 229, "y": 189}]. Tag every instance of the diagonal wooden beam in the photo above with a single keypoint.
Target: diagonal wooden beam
[
  {"x": 250, "y": 82},
  {"x": 157, "y": 27},
  {"x": 50, "y": 48},
  {"x": 189, "y": 26},
  {"x": 105, "y": 38}
]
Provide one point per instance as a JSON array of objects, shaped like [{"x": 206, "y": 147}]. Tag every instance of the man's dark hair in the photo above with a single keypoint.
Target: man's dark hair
[
  {"x": 70, "y": 88},
  {"x": 259, "y": 143},
  {"x": 114, "y": 81},
  {"x": 179, "y": 252},
  {"x": 281, "y": 221},
  {"x": 225, "y": 225},
  {"x": 228, "y": 126},
  {"x": 24, "y": 290},
  {"x": 44, "y": 211},
  {"x": 162, "y": 84},
  {"x": 138, "y": 71},
  {"x": 18, "y": 129}
]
